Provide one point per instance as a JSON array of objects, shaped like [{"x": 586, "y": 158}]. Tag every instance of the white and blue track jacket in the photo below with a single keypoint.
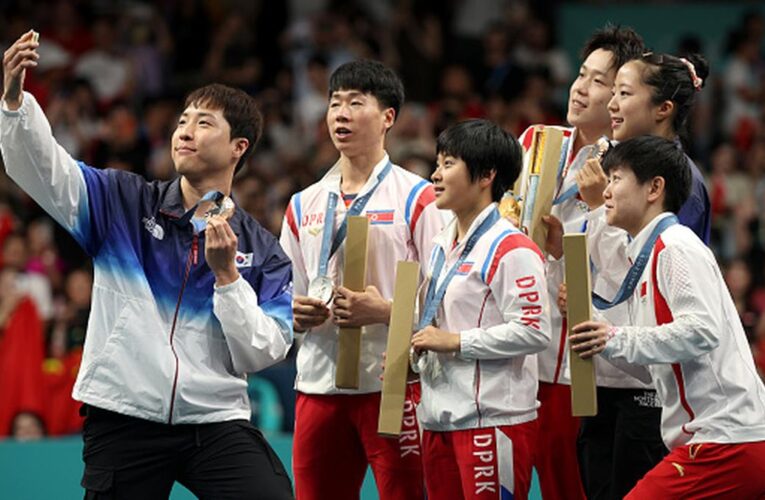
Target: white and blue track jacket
[
  {"x": 163, "y": 343},
  {"x": 498, "y": 305}
]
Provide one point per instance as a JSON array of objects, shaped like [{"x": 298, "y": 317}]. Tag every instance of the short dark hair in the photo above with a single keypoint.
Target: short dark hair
[
  {"x": 649, "y": 156},
  {"x": 369, "y": 77},
  {"x": 239, "y": 109},
  {"x": 622, "y": 41},
  {"x": 670, "y": 79},
  {"x": 484, "y": 147}
]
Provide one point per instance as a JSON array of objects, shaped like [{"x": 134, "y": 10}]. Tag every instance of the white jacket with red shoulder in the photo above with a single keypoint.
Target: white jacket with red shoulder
[
  {"x": 498, "y": 304},
  {"x": 688, "y": 333},
  {"x": 403, "y": 222}
]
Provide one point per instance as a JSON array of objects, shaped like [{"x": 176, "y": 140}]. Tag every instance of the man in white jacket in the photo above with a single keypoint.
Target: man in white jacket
[
  {"x": 336, "y": 429},
  {"x": 613, "y": 449},
  {"x": 683, "y": 326},
  {"x": 183, "y": 307}
]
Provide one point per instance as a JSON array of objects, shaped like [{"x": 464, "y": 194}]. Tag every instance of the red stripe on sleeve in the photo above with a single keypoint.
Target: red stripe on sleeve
[
  {"x": 427, "y": 196},
  {"x": 561, "y": 349},
  {"x": 664, "y": 316},
  {"x": 510, "y": 242},
  {"x": 291, "y": 221},
  {"x": 527, "y": 136}
]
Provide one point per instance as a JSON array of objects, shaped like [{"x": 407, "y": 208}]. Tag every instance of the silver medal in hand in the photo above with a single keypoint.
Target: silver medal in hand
[{"x": 322, "y": 288}]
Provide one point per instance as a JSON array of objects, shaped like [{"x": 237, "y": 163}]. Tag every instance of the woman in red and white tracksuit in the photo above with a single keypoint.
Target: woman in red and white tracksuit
[
  {"x": 685, "y": 329},
  {"x": 484, "y": 317}
]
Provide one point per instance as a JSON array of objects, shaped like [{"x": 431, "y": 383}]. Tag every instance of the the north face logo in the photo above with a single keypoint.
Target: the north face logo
[{"x": 154, "y": 229}]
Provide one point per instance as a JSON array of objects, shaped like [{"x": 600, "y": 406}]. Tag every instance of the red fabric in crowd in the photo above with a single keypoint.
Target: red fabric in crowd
[
  {"x": 62, "y": 413},
  {"x": 21, "y": 358}
]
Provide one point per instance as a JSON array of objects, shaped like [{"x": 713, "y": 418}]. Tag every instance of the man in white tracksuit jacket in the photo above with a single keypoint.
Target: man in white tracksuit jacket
[
  {"x": 336, "y": 429},
  {"x": 180, "y": 312}
]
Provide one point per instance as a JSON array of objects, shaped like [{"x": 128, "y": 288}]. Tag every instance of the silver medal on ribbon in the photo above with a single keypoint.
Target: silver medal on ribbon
[
  {"x": 322, "y": 288},
  {"x": 223, "y": 206},
  {"x": 212, "y": 204}
]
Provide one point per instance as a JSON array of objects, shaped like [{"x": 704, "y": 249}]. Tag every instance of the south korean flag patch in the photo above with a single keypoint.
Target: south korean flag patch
[{"x": 243, "y": 259}]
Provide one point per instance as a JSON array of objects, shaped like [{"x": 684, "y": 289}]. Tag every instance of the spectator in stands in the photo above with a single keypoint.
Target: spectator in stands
[
  {"x": 65, "y": 345},
  {"x": 458, "y": 100},
  {"x": 27, "y": 426},
  {"x": 73, "y": 116},
  {"x": 105, "y": 66},
  {"x": 68, "y": 332},
  {"x": 122, "y": 144},
  {"x": 43, "y": 258},
  {"x": 232, "y": 59},
  {"x": 21, "y": 353},
  {"x": 148, "y": 48},
  {"x": 742, "y": 90},
  {"x": 37, "y": 286},
  {"x": 728, "y": 187},
  {"x": 70, "y": 31}
]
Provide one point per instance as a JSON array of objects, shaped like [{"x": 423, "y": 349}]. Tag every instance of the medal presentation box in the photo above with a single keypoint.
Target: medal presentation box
[
  {"x": 397, "y": 351},
  {"x": 533, "y": 192},
  {"x": 354, "y": 276},
  {"x": 584, "y": 401}
]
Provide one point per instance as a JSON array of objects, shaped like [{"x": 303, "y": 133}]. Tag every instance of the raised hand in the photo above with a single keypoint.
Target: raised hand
[
  {"x": 592, "y": 181},
  {"x": 20, "y": 56},
  {"x": 554, "y": 241}
]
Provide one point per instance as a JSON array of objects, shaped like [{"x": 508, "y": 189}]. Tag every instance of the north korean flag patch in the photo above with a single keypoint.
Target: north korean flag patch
[
  {"x": 380, "y": 216},
  {"x": 464, "y": 268}
]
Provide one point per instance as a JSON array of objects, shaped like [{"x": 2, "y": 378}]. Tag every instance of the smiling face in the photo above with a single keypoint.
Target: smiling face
[
  {"x": 590, "y": 93},
  {"x": 453, "y": 187},
  {"x": 626, "y": 200},
  {"x": 357, "y": 123},
  {"x": 631, "y": 108},
  {"x": 202, "y": 143}
]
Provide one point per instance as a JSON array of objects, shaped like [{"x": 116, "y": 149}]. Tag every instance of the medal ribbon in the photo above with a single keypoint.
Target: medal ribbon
[
  {"x": 329, "y": 221},
  {"x": 435, "y": 295},
  {"x": 200, "y": 223},
  {"x": 636, "y": 271}
]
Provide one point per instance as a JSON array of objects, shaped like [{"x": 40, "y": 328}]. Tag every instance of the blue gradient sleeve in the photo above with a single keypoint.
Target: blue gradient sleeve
[
  {"x": 275, "y": 290},
  {"x": 93, "y": 218}
]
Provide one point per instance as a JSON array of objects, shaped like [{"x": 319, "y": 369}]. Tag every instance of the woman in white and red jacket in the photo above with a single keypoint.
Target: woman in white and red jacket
[
  {"x": 685, "y": 329},
  {"x": 484, "y": 317}
]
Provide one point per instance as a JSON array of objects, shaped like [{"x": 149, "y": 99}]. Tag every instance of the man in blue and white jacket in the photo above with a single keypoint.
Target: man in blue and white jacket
[{"x": 181, "y": 311}]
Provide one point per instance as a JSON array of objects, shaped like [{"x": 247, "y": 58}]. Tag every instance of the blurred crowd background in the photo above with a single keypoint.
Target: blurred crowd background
[{"x": 112, "y": 76}]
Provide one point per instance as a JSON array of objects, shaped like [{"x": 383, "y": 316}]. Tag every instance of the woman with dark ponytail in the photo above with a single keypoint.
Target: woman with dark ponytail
[{"x": 653, "y": 95}]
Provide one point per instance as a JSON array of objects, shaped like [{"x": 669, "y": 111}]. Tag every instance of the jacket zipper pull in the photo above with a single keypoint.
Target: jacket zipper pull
[{"x": 195, "y": 249}]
